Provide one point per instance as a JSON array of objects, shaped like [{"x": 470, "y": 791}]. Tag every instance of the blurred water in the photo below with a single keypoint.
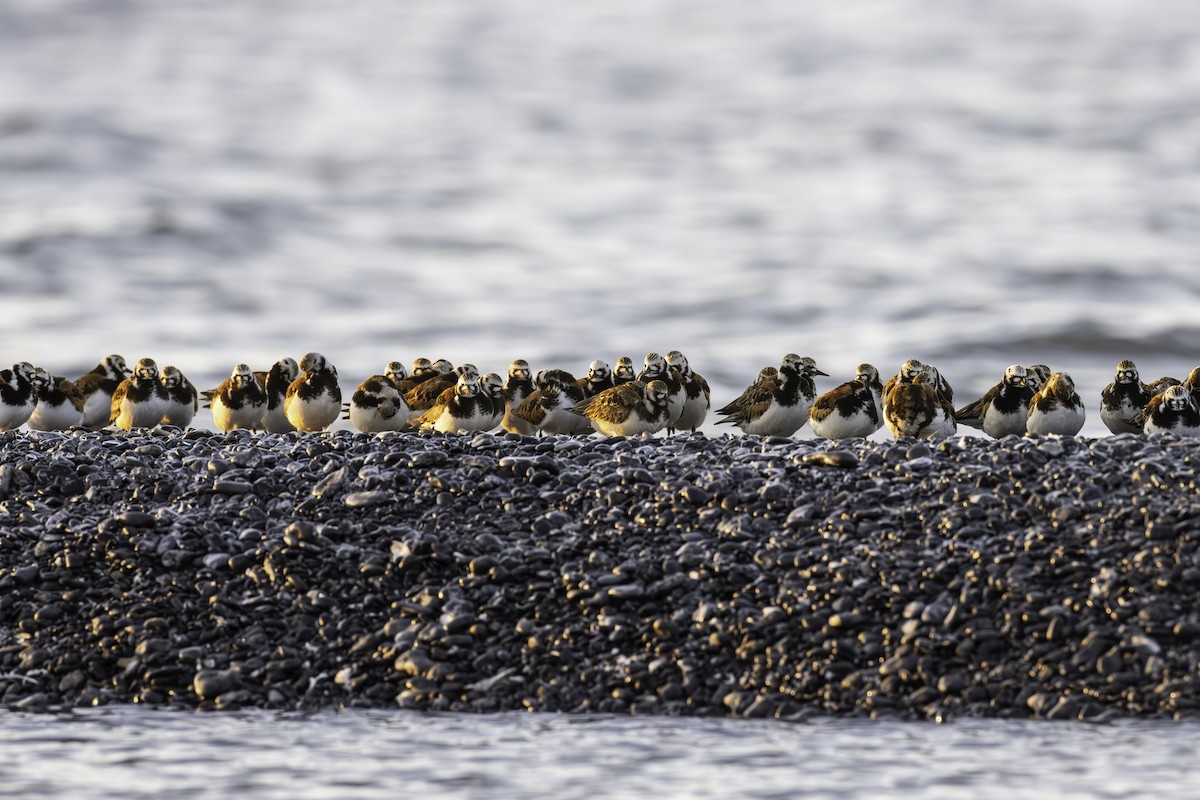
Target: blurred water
[
  {"x": 989, "y": 182},
  {"x": 131, "y": 753}
]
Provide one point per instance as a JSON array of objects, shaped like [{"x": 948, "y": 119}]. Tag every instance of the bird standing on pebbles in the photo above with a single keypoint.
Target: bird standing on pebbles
[
  {"x": 314, "y": 400},
  {"x": 275, "y": 383},
  {"x": 630, "y": 409},
  {"x": 1004, "y": 409},
  {"x": 59, "y": 406},
  {"x": 377, "y": 406},
  {"x": 916, "y": 408},
  {"x": 775, "y": 405},
  {"x": 1123, "y": 399},
  {"x": 140, "y": 400},
  {"x": 239, "y": 402},
  {"x": 517, "y": 387},
  {"x": 548, "y": 408},
  {"x": 851, "y": 410},
  {"x": 97, "y": 387},
  {"x": 1173, "y": 410},
  {"x": 18, "y": 395},
  {"x": 697, "y": 398},
  {"x": 466, "y": 409},
  {"x": 180, "y": 399},
  {"x": 1056, "y": 408}
]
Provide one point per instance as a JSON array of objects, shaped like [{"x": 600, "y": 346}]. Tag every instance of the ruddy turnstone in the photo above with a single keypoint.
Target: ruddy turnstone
[
  {"x": 624, "y": 371},
  {"x": 421, "y": 370},
  {"x": 1003, "y": 409},
  {"x": 395, "y": 371},
  {"x": 491, "y": 387},
  {"x": 239, "y": 402},
  {"x": 697, "y": 398},
  {"x": 1122, "y": 399},
  {"x": 97, "y": 387},
  {"x": 425, "y": 394},
  {"x": 656, "y": 368},
  {"x": 314, "y": 400},
  {"x": 917, "y": 408},
  {"x": 599, "y": 377},
  {"x": 59, "y": 406},
  {"x": 465, "y": 410},
  {"x": 18, "y": 395},
  {"x": 548, "y": 408},
  {"x": 275, "y": 383},
  {"x": 630, "y": 409},
  {"x": 377, "y": 406},
  {"x": 851, "y": 410},
  {"x": 517, "y": 387},
  {"x": 1035, "y": 376},
  {"x": 1160, "y": 385},
  {"x": 180, "y": 401},
  {"x": 775, "y": 405},
  {"x": 1056, "y": 408},
  {"x": 1173, "y": 410},
  {"x": 139, "y": 400}
]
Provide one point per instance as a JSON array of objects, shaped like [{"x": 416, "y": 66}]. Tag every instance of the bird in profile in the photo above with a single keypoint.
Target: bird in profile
[
  {"x": 851, "y": 410},
  {"x": 140, "y": 400},
  {"x": 915, "y": 407},
  {"x": 775, "y": 404},
  {"x": 548, "y": 407},
  {"x": 377, "y": 406},
  {"x": 314, "y": 400},
  {"x": 630, "y": 409},
  {"x": 1173, "y": 410},
  {"x": 1004, "y": 409},
  {"x": 239, "y": 401},
  {"x": 1123, "y": 399},
  {"x": 97, "y": 387},
  {"x": 697, "y": 397},
  {"x": 275, "y": 383},
  {"x": 180, "y": 401},
  {"x": 1056, "y": 408}
]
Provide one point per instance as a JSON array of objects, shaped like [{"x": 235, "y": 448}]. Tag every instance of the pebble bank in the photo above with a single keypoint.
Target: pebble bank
[{"x": 691, "y": 575}]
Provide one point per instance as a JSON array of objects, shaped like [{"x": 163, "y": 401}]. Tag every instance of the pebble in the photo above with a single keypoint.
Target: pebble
[{"x": 741, "y": 576}]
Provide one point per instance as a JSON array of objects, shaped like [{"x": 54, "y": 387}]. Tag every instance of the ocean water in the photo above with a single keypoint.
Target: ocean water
[
  {"x": 990, "y": 182},
  {"x": 971, "y": 183},
  {"x": 133, "y": 753}
]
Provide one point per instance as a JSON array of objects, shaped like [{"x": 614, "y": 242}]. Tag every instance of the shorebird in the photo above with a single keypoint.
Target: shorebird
[
  {"x": 775, "y": 404},
  {"x": 1003, "y": 409},
  {"x": 180, "y": 400},
  {"x": 1123, "y": 399},
  {"x": 1056, "y": 408},
  {"x": 239, "y": 401},
  {"x": 314, "y": 400},
  {"x": 850, "y": 410},
  {"x": 97, "y": 387},
  {"x": 630, "y": 409},
  {"x": 139, "y": 400}
]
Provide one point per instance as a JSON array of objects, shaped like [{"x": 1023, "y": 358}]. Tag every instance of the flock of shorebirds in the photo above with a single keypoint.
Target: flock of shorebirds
[{"x": 665, "y": 393}]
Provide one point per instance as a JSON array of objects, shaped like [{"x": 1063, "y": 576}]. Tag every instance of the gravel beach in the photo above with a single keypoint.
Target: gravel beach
[{"x": 1028, "y": 577}]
